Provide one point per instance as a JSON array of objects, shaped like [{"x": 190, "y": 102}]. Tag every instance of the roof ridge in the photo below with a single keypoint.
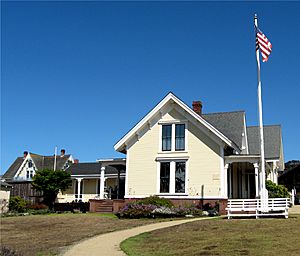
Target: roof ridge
[
  {"x": 34, "y": 154},
  {"x": 236, "y": 111}
]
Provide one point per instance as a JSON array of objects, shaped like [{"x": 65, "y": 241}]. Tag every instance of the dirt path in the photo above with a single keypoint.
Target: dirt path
[
  {"x": 295, "y": 209},
  {"x": 109, "y": 244}
]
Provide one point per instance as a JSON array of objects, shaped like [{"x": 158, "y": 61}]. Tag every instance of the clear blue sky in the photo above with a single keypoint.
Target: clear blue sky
[{"x": 79, "y": 75}]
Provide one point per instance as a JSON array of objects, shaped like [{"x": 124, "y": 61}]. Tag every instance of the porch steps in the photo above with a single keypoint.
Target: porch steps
[{"x": 105, "y": 206}]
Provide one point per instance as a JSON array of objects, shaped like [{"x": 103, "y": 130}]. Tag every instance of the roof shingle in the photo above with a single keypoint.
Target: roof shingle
[
  {"x": 272, "y": 141},
  {"x": 231, "y": 124}
]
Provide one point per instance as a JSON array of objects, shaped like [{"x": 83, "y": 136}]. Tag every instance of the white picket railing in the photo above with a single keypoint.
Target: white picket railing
[{"x": 255, "y": 207}]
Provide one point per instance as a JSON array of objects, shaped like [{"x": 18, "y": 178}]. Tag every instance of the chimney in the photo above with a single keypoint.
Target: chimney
[
  {"x": 62, "y": 152},
  {"x": 76, "y": 161},
  {"x": 197, "y": 107},
  {"x": 25, "y": 153}
]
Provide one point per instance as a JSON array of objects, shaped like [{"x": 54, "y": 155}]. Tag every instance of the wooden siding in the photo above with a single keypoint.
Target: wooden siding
[{"x": 203, "y": 165}]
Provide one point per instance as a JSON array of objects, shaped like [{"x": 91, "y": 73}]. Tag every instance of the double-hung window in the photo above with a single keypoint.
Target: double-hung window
[
  {"x": 179, "y": 137},
  {"x": 173, "y": 137},
  {"x": 172, "y": 177},
  {"x": 180, "y": 177},
  {"x": 167, "y": 137},
  {"x": 164, "y": 177}
]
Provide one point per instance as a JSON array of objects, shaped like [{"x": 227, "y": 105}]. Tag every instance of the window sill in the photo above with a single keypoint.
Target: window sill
[
  {"x": 172, "y": 152},
  {"x": 172, "y": 194}
]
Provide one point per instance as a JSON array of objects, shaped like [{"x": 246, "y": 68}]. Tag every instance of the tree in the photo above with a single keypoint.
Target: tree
[
  {"x": 291, "y": 164},
  {"x": 276, "y": 191},
  {"x": 50, "y": 182}
]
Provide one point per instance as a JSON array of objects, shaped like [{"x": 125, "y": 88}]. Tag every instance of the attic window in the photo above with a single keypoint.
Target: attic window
[
  {"x": 173, "y": 137},
  {"x": 30, "y": 164},
  {"x": 166, "y": 137}
]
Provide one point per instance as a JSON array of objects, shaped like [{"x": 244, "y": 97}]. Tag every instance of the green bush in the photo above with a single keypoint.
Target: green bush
[
  {"x": 276, "y": 191},
  {"x": 17, "y": 204},
  {"x": 155, "y": 200}
]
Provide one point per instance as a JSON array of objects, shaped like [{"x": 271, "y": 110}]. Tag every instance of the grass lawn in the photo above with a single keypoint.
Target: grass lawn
[
  {"x": 48, "y": 234},
  {"x": 221, "y": 237}
]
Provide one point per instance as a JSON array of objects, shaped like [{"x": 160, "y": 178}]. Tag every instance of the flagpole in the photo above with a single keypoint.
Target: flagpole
[
  {"x": 55, "y": 153},
  {"x": 263, "y": 194}
]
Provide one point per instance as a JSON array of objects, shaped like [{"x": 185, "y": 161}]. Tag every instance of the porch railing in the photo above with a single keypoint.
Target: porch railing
[
  {"x": 68, "y": 198},
  {"x": 257, "y": 208}
]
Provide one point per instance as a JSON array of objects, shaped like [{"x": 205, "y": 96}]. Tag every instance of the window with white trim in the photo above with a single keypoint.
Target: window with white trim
[
  {"x": 179, "y": 177},
  {"x": 179, "y": 137},
  {"x": 164, "y": 177},
  {"x": 167, "y": 137},
  {"x": 172, "y": 177},
  {"x": 173, "y": 133}
]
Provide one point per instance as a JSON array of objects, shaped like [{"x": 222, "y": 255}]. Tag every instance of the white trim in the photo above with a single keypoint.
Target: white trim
[
  {"x": 186, "y": 132},
  {"x": 241, "y": 158},
  {"x": 126, "y": 176},
  {"x": 173, "y": 124},
  {"x": 160, "y": 140},
  {"x": 222, "y": 172},
  {"x": 171, "y": 158},
  {"x": 172, "y": 137},
  {"x": 119, "y": 146},
  {"x": 172, "y": 184},
  {"x": 96, "y": 176},
  {"x": 172, "y": 177},
  {"x": 245, "y": 135},
  {"x": 157, "y": 177},
  {"x": 176, "y": 196},
  {"x": 272, "y": 160},
  {"x": 22, "y": 165}
]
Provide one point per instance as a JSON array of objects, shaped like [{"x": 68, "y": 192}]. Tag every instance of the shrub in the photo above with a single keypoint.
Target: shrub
[
  {"x": 17, "y": 204},
  {"x": 155, "y": 200},
  {"x": 276, "y": 190},
  {"x": 183, "y": 211},
  {"x": 135, "y": 211}
]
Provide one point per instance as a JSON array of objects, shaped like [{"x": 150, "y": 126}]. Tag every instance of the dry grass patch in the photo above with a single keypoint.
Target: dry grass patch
[
  {"x": 48, "y": 234},
  {"x": 220, "y": 237}
]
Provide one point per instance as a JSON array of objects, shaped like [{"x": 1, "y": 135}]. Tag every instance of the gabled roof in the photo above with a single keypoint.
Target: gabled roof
[
  {"x": 47, "y": 162},
  {"x": 41, "y": 162},
  {"x": 272, "y": 140},
  {"x": 231, "y": 124},
  {"x": 121, "y": 144},
  {"x": 12, "y": 170},
  {"x": 91, "y": 169}
]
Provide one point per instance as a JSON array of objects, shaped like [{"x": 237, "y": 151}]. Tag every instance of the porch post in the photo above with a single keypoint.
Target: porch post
[
  {"x": 78, "y": 187},
  {"x": 229, "y": 183},
  {"x": 225, "y": 181},
  {"x": 256, "y": 166},
  {"x": 102, "y": 182}
]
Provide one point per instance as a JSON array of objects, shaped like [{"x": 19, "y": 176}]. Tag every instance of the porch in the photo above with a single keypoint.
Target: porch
[
  {"x": 245, "y": 190},
  {"x": 243, "y": 177},
  {"x": 89, "y": 181}
]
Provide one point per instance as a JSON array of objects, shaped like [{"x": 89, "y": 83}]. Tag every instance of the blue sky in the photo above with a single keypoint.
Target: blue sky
[{"x": 79, "y": 75}]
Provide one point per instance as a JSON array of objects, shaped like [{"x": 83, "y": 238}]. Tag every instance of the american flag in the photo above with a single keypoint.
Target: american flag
[{"x": 263, "y": 44}]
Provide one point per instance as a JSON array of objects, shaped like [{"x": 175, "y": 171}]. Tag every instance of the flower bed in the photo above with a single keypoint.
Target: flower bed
[{"x": 135, "y": 210}]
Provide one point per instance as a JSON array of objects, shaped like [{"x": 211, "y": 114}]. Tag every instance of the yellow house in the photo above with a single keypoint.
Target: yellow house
[{"x": 178, "y": 152}]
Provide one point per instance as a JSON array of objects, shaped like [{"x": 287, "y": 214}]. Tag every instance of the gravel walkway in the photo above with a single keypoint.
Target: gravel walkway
[{"x": 109, "y": 244}]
